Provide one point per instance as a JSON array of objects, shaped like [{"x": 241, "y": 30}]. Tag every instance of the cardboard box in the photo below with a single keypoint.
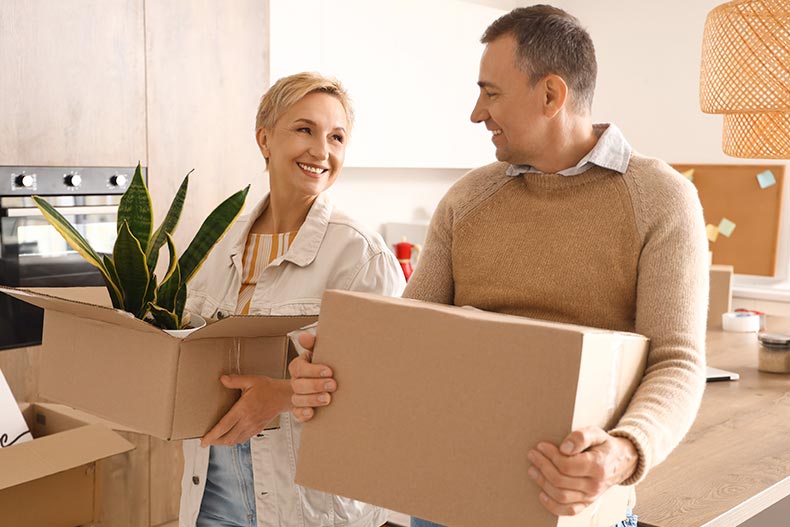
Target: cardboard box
[
  {"x": 437, "y": 407},
  {"x": 50, "y": 481},
  {"x": 720, "y": 299},
  {"x": 110, "y": 364}
]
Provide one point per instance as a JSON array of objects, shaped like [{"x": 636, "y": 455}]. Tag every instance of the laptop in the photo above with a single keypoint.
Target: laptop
[{"x": 715, "y": 375}]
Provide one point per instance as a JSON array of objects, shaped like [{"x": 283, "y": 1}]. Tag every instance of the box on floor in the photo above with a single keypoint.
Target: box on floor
[
  {"x": 110, "y": 364},
  {"x": 438, "y": 405},
  {"x": 51, "y": 481}
]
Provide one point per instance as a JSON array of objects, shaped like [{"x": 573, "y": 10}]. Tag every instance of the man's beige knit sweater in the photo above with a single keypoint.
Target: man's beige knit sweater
[{"x": 626, "y": 252}]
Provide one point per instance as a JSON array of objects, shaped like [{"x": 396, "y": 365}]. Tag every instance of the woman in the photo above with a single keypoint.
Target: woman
[{"x": 278, "y": 261}]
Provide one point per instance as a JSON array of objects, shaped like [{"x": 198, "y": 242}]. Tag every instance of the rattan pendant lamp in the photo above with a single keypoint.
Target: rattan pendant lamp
[{"x": 745, "y": 75}]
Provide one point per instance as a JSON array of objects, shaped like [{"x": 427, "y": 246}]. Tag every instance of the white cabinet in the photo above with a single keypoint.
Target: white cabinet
[{"x": 411, "y": 69}]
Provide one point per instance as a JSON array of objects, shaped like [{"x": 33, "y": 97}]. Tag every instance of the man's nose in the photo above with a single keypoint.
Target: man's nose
[{"x": 479, "y": 112}]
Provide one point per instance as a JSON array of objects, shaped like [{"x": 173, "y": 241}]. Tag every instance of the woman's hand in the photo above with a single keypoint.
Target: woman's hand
[
  {"x": 312, "y": 384},
  {"x": 262, "y": 399}
]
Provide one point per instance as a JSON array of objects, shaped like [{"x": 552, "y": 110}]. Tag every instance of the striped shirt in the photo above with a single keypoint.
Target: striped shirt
[{"x": 260, "y": 251}]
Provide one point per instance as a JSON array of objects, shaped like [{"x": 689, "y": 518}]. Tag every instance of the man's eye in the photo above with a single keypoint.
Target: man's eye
[{"x": 490, "y": 95}]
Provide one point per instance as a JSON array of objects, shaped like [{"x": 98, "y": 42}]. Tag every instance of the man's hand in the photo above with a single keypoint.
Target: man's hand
[
  {"x": 312, "y": 384},
  {"x": 588, "y": 462},
  {"x": 262, "y": 399}
]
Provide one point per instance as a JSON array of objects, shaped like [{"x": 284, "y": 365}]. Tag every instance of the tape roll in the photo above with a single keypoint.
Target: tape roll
[{"x": 740, "y": 322}]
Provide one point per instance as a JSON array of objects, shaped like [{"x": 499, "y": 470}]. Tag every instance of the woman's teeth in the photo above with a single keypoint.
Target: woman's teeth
[
  {"x": 314, "y": 170},
  {"x": 496, "y": 132}
]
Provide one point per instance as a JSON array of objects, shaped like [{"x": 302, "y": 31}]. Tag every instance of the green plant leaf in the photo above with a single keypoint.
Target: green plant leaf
[
  {"x": 163, "y": 318},
  {"x": 71, "y": 235},
  {"x": 129, "y": 260},
  {"x": 168, "y": 290},
  {"x": 171, "y": 250},
  {"x": 181, "y": 301},
  {"x": 113, "y": 284},
  {"x": 150, "y": 298},
  {"x": 213, "y": 228},
  {"x": 168, "y": 225},
  {"x": 77, "y": 242},
  {"x": 135, "y": 209}
]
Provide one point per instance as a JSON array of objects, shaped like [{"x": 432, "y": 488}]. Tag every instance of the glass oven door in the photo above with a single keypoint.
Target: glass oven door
[{"x": 33, "y": 254}]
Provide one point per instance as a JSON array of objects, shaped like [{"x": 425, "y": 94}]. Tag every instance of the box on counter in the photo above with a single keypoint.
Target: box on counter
[
  {"x": 720, "y": 299},
  {"x": 108, "y": 363},
  {"x": 51, "y": 481},
  {"x": 437, "y": 407}
]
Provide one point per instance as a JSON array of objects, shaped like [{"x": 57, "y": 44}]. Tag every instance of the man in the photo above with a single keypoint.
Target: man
[{"x": 572, "y": 226}]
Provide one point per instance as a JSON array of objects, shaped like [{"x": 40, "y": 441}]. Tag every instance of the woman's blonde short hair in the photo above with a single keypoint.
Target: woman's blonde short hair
[{"x": 289, "y": 90}]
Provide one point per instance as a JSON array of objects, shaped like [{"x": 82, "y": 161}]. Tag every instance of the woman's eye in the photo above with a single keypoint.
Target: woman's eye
[
  {"x": 303, "y": 130},
  {"x": 338, "y": 138}
]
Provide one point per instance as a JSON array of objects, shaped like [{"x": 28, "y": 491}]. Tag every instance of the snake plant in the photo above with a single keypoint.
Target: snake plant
[{"x": 129, "y": 271}]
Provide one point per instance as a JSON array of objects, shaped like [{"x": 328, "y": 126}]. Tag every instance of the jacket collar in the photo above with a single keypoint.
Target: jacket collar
[{"x": 307, "y": 242}]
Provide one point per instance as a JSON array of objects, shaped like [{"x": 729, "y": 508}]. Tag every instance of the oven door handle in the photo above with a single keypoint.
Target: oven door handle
[{"x": 66, "y": 211}]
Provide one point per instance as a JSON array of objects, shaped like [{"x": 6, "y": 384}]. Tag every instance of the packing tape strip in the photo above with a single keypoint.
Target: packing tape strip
[{"x": 740, "y": 322}]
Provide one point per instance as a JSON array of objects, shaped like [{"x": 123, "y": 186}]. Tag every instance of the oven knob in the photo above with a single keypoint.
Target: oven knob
[
  {"x": 72, "y": 180},
  {"x": 24, "y": 181},
  {"x": 118, "y": 180}
]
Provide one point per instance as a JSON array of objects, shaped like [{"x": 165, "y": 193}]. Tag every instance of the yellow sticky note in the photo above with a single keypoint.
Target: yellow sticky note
[
  {"x": 689, "y": 174},
  {"x": 726, "y": 227},
  {"x": 713, "y": 232}
]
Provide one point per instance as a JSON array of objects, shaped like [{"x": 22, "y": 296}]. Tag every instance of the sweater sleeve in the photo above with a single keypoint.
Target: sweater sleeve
[
  {"x": 432, "y": 280},
  {"x": 671, "y": 309}
]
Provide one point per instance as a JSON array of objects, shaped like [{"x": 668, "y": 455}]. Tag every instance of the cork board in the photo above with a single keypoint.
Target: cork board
[{"x": 734, "y": 192}]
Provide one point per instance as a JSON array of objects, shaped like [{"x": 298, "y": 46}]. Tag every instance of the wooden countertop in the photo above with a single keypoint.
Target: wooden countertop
[{"x": 735, "y": 461}]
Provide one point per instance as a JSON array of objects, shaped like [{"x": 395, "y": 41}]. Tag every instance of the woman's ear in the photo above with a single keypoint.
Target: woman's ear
[
  {"x": 556, "y": 94},
  {"x": 262, "y": 138}
]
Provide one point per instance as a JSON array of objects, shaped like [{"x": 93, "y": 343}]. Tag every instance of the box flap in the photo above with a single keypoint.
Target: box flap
[
  {"x": 96, "y": 295},
  {"x": 58, "y": 452},
  {"x": 81, "y": 309},
  {"x": 59, "y": 417},
  {"x": 251, "y": 326},
  {"x": 469, "y": 312}
]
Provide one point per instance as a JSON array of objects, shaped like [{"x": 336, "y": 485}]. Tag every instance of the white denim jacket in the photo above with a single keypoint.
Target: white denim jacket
[{"x": 330, "y": 251}]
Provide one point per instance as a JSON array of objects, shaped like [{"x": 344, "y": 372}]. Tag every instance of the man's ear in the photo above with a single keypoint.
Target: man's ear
[
  {"x": 262, "y": 138},
  {"x": 555, "y": 94}
]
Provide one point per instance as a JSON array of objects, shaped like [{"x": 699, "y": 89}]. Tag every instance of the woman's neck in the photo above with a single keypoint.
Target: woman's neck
[{"x": 283, "y": 214}]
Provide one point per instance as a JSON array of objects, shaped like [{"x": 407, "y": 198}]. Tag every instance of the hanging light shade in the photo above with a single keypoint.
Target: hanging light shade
[
  {"x": 745, "y": 75},
  {"x": 757, "y": 135}
]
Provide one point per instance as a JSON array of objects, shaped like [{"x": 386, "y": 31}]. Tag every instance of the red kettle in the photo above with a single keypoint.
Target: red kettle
[{"x": 403, "y": 251}]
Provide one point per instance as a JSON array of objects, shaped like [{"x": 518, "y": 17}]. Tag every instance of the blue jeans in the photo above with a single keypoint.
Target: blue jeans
[
  {"x": 629, "y": 521},
  {"x": 229, "y": 498}
]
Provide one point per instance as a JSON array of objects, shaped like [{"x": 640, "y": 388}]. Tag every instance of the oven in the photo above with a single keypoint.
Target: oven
[{"x": 32, "y": 252}]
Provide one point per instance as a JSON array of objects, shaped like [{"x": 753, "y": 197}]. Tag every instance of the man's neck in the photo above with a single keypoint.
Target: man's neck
[{"x": 567, "y": 143}]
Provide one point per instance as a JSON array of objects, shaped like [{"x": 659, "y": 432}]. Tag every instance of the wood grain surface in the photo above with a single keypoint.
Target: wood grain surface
[
  {"x": 72, "y": 83},
  {"x": 735, "y": 461}
]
